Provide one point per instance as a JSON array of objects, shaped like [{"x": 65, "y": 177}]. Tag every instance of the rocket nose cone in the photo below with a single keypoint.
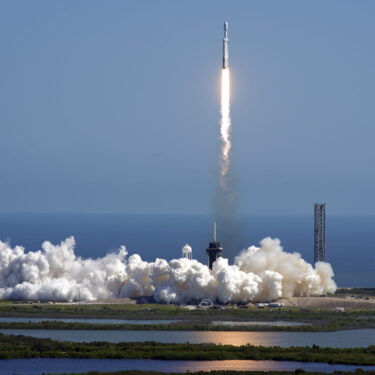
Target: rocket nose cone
[{"x": 226, "y": 26}]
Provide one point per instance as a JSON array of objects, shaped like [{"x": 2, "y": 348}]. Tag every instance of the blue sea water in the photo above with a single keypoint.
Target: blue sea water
[{"x": 350, "y": 239}]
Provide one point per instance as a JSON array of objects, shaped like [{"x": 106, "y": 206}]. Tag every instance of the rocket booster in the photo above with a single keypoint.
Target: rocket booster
[{"x": 225, "y": 47}]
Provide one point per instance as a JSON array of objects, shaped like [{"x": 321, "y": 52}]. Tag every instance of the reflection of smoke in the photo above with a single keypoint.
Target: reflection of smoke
[{"x": 56, "y": 273}]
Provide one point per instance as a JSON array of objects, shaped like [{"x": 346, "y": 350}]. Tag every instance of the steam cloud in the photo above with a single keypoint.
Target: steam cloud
[{"x": 258, "y": 274}]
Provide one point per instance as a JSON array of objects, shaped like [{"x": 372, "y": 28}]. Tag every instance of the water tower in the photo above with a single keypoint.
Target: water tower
[{"x": 187, "y": 252}]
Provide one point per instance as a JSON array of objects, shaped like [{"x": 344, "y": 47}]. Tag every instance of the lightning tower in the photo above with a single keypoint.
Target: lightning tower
[{"x": 319, "y": 232}]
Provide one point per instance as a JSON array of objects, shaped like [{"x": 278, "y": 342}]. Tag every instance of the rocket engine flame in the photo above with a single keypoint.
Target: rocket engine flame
[{"x": 225, "y": 126}]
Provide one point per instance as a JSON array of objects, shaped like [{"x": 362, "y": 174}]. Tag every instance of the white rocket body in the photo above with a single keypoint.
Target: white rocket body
[{"x": 225, "y": 47}]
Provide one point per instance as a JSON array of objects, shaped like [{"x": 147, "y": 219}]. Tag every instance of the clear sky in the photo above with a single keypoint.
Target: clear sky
[{"x": 113, "y": 106}]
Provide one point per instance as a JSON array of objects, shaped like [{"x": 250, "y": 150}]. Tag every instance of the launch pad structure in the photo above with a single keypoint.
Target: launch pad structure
[{"x": 214, "y": 250}]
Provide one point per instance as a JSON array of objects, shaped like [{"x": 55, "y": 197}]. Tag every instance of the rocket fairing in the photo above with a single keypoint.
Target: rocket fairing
[{"x": 225, "y": 47}]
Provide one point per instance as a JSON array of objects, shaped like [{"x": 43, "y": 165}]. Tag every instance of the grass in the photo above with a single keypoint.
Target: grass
[
  {"x": 157, "y": 310},
  {"x": 362, "y": 292},
  {"x": 315, "y": 320},
  {"x": 334, "y": 325}
]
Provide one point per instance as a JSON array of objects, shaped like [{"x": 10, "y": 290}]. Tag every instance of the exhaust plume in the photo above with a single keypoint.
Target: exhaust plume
[
  {"x": 55, "y": 273},
  {"x": 225, "y": 200},
  {"x": 225, "y": 127}
]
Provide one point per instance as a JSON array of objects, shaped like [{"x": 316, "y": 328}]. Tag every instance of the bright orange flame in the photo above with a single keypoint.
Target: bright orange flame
[{"x": 225, "y": 125}]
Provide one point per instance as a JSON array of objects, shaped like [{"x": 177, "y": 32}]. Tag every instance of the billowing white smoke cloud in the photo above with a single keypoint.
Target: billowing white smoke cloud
[
  {"x": 285, "y": 274},
  {"x": 258, "y": 274}
]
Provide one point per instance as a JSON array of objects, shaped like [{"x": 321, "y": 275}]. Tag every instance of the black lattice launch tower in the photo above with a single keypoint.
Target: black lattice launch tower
[
  {"x": 214, "y": 250},
  {"x": 319, "y": 232}
]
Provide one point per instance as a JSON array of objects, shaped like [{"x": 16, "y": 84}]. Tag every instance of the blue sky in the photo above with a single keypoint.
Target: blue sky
[{"x": 113, "y": 106}]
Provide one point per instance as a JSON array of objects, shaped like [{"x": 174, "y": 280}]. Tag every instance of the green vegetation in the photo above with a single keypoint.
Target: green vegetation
[
  {"x": 360, "y": 292},
  {"x": 159, "y": 311},
  {"x": 332, "y": 325},
  {"x": 183, "y": 326},
  {"x": 197, "y": 320},
  {"x": 123, "y": 310},
  {"x": 28, "y": 347}
]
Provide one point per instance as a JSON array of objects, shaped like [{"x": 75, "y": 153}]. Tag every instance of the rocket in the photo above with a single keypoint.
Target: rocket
[{"x": 225, "y": 47}]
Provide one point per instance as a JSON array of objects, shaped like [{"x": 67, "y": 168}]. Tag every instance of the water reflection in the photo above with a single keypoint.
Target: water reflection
[
  {"x": 340, "y": 339},
  {"x": 62, "y": 365}
]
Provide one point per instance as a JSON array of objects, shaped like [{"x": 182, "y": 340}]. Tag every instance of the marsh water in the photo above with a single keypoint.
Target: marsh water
[
  {"x": 339, "y": 339},
  {"x": 56, "y": 366}
]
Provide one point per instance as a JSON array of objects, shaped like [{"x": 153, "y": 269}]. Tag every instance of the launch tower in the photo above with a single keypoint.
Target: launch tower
[
  {"x": 214, "y": 250},
  {"x": 319, "y": 232}
]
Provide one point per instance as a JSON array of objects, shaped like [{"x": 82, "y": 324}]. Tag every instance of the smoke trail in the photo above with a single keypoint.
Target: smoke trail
[
  {"x": 258, "y": 274},
  {"x": 225, "y": 127},
  {"x": 225, "y": 199}
]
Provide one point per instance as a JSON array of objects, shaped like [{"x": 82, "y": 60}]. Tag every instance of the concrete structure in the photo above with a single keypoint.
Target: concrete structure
[
  {"x": 214, "y": 250},
  {"x": 319, "y": 232}
]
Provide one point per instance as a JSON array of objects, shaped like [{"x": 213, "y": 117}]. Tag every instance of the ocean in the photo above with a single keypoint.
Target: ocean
[{"x": 350, "y": 239}]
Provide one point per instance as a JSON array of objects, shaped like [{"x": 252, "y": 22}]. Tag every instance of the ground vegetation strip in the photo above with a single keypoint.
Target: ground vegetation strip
[
  {"x": 12, "y": 346},
  {"x": 366, "y": 292},
  {"x": 197, "y": 320},
  {"x": 160, "y": 311}
]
